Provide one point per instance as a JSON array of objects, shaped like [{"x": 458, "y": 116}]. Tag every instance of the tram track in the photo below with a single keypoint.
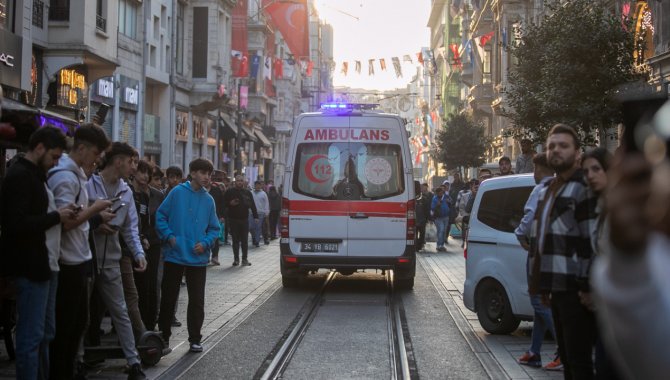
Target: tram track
[{"x": 402, "y": 364}]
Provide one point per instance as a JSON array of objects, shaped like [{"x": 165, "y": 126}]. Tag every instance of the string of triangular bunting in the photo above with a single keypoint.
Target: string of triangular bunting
[{"x": 273, "y": 67}]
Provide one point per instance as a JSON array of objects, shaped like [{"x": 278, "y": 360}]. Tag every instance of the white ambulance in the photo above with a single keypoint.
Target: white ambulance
[{"x": 348, "y": 198}]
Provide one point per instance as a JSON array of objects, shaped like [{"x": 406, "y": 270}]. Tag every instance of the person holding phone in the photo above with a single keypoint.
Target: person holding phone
[
  {"x": 109, "y": 184},
  {"x": 187, "y": 224}
]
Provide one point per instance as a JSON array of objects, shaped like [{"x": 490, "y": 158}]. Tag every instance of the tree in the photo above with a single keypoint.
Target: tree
[
  {"x": 568, "y": 69},
  {"x": 461, "y": 143}
]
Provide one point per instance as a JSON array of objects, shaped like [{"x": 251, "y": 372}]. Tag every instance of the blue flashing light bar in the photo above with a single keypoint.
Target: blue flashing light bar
[{"x": 348, "y": 106}]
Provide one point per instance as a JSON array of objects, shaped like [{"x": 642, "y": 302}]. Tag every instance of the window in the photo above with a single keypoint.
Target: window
[
  {"x": 348, "y": 171},
  {"x": 59, "y": 10},
  {"x": 502, "y": 209},
  {"x": 200, "y": 41},
  {"x": 486, "y": 67},
  {"x": 100, "y": 16},
  {"x": 38, "y": 13},
  {"x": 181, "y": 9},
  {"x": 128, "y": 18}
]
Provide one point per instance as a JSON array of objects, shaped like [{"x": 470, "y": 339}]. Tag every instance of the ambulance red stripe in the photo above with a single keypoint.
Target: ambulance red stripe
[{"x": 349, "y": 207}]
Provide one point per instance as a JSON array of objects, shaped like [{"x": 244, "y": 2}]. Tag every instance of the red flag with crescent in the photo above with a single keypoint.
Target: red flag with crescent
[{"x": 291, "y": 20}]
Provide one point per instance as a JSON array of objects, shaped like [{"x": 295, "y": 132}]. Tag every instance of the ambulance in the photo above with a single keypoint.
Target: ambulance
[{"x": 348, "y": 198}]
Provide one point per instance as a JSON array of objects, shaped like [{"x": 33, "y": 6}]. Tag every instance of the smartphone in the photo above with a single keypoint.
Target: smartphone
[
  {"x": 118, "y": 208},
  {"x": 118, "y": 196},
  {"x": 78, "y": 208},
  {"x": 102, "y": 112}
]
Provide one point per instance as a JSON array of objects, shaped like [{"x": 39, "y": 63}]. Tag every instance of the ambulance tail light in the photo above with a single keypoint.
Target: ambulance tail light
[
  {"x": 411, "y": 222},
  {"x": 283, "y": 218}
]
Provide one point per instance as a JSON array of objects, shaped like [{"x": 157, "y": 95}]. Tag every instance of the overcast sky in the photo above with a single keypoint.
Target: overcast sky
[{"x": 384, "y": 29}]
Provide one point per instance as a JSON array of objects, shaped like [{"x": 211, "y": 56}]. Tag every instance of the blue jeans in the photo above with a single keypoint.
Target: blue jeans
[
  {"x": 256, "y": 228},
  {"x": 542, "y": 321},
  {"x": 35, "y": 327},
  {"x": 441, "y": 224}
]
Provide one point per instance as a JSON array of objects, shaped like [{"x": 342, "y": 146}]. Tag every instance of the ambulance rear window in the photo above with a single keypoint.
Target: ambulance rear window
[{"x": 348, "y": 170}]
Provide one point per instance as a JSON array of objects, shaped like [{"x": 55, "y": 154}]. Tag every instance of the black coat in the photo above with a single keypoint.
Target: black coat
[{"x": 24, "y": 222}]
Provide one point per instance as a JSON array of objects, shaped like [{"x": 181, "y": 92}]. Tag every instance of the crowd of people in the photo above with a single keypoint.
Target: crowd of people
[
  {"x": 93, "y": 230},
  {"x": 596, "y": 231}
]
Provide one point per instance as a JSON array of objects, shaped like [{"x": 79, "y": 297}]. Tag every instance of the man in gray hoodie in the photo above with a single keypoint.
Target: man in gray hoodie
[{"x": 108, "y": 184}]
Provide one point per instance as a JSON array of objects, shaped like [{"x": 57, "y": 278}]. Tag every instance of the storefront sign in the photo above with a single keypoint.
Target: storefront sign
[
  {"x": 131, "y": 95},
  {"x": 105, "y": 88},
  {"x": 10, "y": 59},
  {"x": 71, "y": 87}
]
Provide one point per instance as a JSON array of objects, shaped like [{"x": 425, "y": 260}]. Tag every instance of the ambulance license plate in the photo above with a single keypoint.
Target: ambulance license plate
[{"x": 318, "y": 247}]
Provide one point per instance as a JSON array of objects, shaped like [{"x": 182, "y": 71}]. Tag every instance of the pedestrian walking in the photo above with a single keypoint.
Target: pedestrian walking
[
  {"x": 30, "y": 241},
  {"x": 562, "y": 239},
  {"x": 67, "y": 180},
  {"x": 187, "y": 222},
  {"x": 439, "y": 209},
  {"x": 239, "y": 201},
  {"x": 216, "y": 191},
  {"x": 263, "y": 208},
  {"x": 421, "y": 211}
]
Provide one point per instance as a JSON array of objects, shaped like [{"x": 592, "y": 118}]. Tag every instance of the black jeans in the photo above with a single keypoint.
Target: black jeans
[
  {"x": 147, "y": 287},
  {"x": 576, "y": 333},
  {"x": 71, "y": 318},
  {"x": 195, "y": 285},
  {"x": 420, "y": 236},
  {"x": 239, "y": 230},
  {"x": 274, "y": 219}
]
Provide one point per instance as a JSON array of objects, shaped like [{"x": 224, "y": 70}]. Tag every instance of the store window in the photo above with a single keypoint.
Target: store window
[{"x": 128, "y": 10}]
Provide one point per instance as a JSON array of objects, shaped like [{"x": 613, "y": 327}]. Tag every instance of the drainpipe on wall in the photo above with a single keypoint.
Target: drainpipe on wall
[
  {"x": 139, "y": 131},
  {"x": 116, "y": 125}
]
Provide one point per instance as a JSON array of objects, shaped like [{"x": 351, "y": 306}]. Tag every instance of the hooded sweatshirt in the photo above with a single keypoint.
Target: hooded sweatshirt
[
  {"x": 190, "y": 217},
  {"x": 107, "y": 247},
  {"x": 67, "y": 181}
]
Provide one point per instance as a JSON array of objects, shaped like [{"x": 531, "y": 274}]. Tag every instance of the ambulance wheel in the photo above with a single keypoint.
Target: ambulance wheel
[
  {"x": 290, "y": 282},
  {"x": 150, "y": 348}
]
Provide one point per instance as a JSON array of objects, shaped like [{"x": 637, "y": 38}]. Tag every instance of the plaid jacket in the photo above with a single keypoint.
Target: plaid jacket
[{"x": 561, "y": 245}]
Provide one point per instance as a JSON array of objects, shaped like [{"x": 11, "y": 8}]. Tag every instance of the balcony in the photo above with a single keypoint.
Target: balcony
[
  {"x": 101, "y": 23},
  {"x": 480, "y": 98},
  {"x": 38, "y": 13}
]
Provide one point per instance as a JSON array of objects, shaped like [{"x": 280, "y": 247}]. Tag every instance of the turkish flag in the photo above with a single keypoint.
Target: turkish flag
[
  {"x": 244, "y": 67},
  {"x": 310, "y": 67},
  {"x": 291, "y": 20},
  {"x": 483, "y": 40},
  {"x": 279, "y": 68}
]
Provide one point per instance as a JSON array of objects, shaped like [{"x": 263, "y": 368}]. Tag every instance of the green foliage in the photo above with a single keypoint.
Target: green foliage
[
  {"x": 569, "y": 67},
  {"x": 461, "y": 143}
]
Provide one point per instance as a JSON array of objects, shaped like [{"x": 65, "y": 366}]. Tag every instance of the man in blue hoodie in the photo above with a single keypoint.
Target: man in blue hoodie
[{"x": 187, "y": 224}]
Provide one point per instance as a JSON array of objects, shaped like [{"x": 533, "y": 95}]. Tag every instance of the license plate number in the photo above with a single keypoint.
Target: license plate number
[{"x": 318, "y": 247}]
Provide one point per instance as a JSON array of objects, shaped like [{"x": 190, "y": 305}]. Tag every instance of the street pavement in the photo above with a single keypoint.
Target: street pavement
[{"x": 234, "y": 293}]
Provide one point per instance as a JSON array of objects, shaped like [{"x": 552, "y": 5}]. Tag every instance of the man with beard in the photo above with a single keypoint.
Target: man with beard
[
  {"x": 561, "y": 238},
  {"x": 31, "y": 226},
  {"x": 239, "y": 201}
]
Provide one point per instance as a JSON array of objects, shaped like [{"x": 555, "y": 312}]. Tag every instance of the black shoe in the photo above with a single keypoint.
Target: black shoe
[
  {"x": 246, "y": 263},
  {"x": 236, "y": 262},
  {"x": 80, "y": 372},
  {"x": 135, "y": 372},
  {"x": 176, "y": 323},
  {"x": 267, "y": 242}
]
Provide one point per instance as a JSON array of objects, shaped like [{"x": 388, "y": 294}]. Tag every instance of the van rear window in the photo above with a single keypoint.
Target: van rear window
[{"x": 348, "y": 170}]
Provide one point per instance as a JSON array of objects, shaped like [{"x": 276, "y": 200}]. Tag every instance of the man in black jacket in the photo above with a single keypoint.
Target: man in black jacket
[
  {"x": 30, "y": 248},
  {"x": 239, "y": 200}
]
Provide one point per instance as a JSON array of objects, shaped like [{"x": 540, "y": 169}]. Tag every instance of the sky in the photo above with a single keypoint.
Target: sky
[{"x": 384, "y": 29}]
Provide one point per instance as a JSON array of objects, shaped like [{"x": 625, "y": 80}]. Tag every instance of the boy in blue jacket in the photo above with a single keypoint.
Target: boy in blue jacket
[{"x": 187, "y": 224}]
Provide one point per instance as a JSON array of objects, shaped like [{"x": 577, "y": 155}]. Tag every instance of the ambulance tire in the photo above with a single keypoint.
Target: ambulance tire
[
  {"x": 290, "y": 282},
  {"x": 403, "y": 283}
]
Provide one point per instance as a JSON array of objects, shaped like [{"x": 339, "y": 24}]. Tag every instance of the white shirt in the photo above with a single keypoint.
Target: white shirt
[{"x": 261, "y": 201}]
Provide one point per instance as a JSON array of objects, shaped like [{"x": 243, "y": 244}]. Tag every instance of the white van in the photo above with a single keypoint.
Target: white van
[
  {"x": 348, "y": 198},
  {"x": 496, "y": 284}
]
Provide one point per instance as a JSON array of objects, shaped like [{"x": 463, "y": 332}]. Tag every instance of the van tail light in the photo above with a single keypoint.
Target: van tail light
[
  {"x": 283, "y": 218},
  {"x": 411, "y": 222},
  {"x": 465, "y": 252}
]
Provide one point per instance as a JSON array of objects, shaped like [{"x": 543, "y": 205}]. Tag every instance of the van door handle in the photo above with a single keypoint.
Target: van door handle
[{"x": 359, "y": 215}]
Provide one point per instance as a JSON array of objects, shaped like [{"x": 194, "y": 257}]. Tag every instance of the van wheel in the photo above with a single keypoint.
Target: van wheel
[
  {"x": 290, "y": 282},
  {"x": 493, "y": 309},
  {"x": 403, "y": 283}
]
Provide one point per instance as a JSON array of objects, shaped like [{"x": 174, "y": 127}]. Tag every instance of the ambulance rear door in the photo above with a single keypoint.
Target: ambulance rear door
[
  {"x": 378, "y": 219},
  {"x": 318, "y": 222}
]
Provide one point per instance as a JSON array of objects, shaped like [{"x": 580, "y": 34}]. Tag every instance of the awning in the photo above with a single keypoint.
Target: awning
[
  {"x": 248, "y": 135},
  {"x": 263, "y": 138},
  {"x": 228, "y": 129}
]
